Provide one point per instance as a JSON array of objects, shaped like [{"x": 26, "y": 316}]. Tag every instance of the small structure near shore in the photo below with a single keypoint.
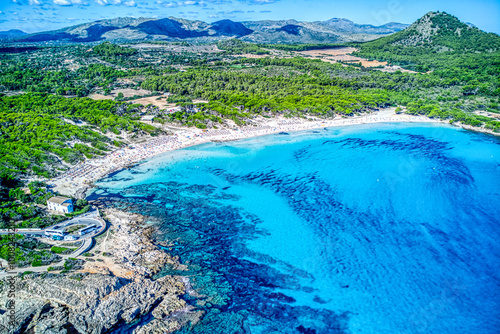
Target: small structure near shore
[
  {"x": 60, "y": 204},
  {"x": 147, "y": 118}
]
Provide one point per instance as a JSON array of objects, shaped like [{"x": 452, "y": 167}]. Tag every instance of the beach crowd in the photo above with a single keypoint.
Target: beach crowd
[{"x": 84, "y": 174}]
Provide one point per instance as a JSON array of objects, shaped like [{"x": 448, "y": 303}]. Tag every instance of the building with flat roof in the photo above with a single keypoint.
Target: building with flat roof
[
  {"x": 147, "y": 118},
  {"x": 60, "y": 204}
]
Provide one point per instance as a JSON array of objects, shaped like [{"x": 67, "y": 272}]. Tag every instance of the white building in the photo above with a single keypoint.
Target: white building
[
  {"x": 147, "y": 118},
  {"x": 60, "y": 204}
]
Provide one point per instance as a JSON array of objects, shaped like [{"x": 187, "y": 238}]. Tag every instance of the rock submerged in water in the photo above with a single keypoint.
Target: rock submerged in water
[{"x": 101, "y": 299}]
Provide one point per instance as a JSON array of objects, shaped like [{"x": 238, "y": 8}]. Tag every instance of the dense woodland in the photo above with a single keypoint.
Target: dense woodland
[
  {"x": 236, "y": 93},
  {"x": 298, "y": 85},
  {"x": 40, "y": 130}
]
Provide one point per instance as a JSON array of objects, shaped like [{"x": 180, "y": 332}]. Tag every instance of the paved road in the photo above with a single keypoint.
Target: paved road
[
  {"x": 88, "y": 243},
  {"x": 23, "y": 231},
  {"x": 81, "y": 220},
  {"x": 86, "y": 246}
]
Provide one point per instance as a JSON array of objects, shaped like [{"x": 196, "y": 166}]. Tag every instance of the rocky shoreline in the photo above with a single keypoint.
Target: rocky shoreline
[{"x": 112, "y": 290}]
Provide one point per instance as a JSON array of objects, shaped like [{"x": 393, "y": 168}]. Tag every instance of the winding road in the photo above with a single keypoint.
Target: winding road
[{"x": 87, "y": 244}]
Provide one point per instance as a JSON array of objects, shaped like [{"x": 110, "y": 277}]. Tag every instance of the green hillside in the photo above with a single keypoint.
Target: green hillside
[
  {"x": 37, "y": 129},
  {"x": 436, "y": 41}
]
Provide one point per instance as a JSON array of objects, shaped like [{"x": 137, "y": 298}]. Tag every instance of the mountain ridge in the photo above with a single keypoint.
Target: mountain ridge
[
  {"x": 123, "y": 29},
  {"x": 12, "y": 33}
]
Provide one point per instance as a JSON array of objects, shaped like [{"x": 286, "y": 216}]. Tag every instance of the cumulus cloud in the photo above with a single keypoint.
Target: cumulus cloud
[
  {"x": 130, "y": 3},
  {"x": 109, "y": 2},
  {"x": 203, "y": 3},
  {"x": 170, "y": 4},
  {"x": 66, "y": 2},
  {"x": 263, "y": 2},
  {"x": 34, "y": 2}
]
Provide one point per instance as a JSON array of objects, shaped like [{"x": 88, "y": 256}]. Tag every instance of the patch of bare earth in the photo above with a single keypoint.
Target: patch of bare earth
[
  {"x": 248, "y": 55},
  {"x": 100, "y": 97},
  {"x": 127, "y": 92},
  {"x": 345, "y": 55},
  {"x": 487, "y": 114},
  {"x": 341, "y": 55},
  {"x": 160, "y": 103}
]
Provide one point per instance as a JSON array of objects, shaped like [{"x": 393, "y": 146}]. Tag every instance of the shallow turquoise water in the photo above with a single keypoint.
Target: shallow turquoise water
[{"x": 367, "y": 229}]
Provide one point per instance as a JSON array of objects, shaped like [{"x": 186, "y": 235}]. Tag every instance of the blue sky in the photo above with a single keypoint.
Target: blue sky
[{"x": 40, "y": 15}]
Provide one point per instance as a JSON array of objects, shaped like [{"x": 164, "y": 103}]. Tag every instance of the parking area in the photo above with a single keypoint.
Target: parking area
[{"x": 72, "y": 230}]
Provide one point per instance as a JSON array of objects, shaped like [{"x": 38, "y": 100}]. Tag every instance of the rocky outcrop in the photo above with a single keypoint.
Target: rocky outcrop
[
  {"x": 132, "y": 247},
  {"x": 101, "y": 301}
]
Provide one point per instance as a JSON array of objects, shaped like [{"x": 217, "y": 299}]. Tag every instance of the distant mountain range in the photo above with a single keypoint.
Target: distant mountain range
[
  {"x": 173, "y": 29},
  {"x": 11, "y": 34}
]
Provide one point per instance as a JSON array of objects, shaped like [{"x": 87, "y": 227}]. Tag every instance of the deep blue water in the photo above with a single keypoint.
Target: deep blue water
[{"x": 366, "y": 229}]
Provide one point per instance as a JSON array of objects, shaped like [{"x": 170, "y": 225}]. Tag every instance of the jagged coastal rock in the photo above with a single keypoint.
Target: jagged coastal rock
[{"x": 106, "y": 294}]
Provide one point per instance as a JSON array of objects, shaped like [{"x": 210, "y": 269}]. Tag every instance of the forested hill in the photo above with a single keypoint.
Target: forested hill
[{"x": 431, "y": 42}]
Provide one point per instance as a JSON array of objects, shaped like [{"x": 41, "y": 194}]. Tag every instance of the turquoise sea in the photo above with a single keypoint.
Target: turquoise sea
[{"x": 387, "y": 228}]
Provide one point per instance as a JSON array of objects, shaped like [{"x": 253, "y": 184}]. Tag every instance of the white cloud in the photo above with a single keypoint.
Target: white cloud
[
  {"x": 130, "y": 3},
  {"x": 34, "y": 2},
  {"x": 181, "y": 3},
  {"x": 109, "y": 2},
  {"x": 65, "y": 2},
  {"x": 263, "y": 2}
]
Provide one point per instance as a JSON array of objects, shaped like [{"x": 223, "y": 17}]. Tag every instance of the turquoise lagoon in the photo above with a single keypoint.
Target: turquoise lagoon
[{"x": 388, "y": 228}]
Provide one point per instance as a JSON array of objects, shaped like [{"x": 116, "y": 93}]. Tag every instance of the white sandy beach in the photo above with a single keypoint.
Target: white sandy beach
[{"x": 82, "y": 176}]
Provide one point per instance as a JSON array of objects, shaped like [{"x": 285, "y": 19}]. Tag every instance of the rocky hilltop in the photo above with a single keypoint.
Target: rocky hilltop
[
  {"x": 438, "y": 32},
  {"x": 173, "y": 29},
  {"x": 99, "y": 296}
]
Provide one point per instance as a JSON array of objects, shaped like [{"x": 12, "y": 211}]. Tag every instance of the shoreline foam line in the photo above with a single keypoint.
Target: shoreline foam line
[{"x": 78, "y": 179}]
